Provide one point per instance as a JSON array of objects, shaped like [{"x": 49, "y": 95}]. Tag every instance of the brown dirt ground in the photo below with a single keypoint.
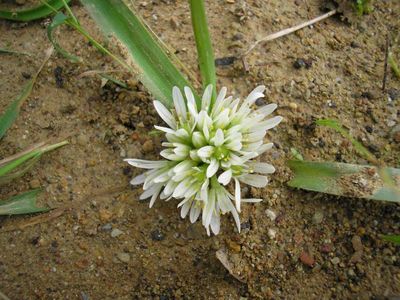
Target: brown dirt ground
[{"x": 316, "y": 253}]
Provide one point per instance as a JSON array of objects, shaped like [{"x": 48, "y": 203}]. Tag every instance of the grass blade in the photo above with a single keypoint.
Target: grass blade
[
  {"x": 356, "y": 144},
  {"x": 12, "y": 111},
  {"x": 393, "y": 65},
  {"x": 155, "y": 69},
  {"x": 58, "y": 20},
  {"x": 346, "y": 180},
  {"x": 392, "y": 238},
  {"x": 203, "y": 43},
  {"x": 9, "y": 51},
  {"x": 32, "y": 14},
  {"x": 22, "y": 204},
  {"x": 9, "y": 166}
]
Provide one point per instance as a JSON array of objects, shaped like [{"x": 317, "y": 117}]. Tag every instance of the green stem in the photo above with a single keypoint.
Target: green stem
[{"x": 203, "y": 44}]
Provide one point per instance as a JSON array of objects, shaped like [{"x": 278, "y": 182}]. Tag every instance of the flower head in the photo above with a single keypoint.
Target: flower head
[{"x": 208, "y": 147}]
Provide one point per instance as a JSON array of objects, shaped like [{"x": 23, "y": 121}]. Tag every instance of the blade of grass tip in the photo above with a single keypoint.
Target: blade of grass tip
[
  {"x": 335, "y": 125},
  {"x": 22, "y": 204},
  {"x": 22, "y": 153},
  {"x": 9, "y": 51},
  {"x": 59, "y": 20},
  {"x": 203, "y": 43},
  {"x": 12, "y": 111},
  {"x": 114, "y": 80},
  {"x": 393, "y": 65},
  {"x": 32, "y": 14},
  {"x": 36, "y": 153},
  {"x": 154, "y": 67},
  {"x": 19, "y": 171},
  {"x": 392, "y": 238}
]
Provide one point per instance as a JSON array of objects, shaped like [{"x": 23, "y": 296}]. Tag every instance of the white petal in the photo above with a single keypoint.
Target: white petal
[
  {"x": 270, "y": 123},
  {"x": 215, "y": 223},
  {"x": 223, "y": 119},
  {"x": 208, "y": 209},
  {"x": 164, "y": 129},
  {"x": 255, "y": 94},
  {"x": 251, "y": 200},
  {"x": 225, "y": 177},
  {"x": 198, "y": 139},
  {"x": 212, "y": 168},
  {"x": 154, "y": 189},
  {"x": 138, "y": 179},
  {"x": 237, "y": 195},
  {"x": 165, "y": 114},
  {"x": 154, "y": 197},
  {"x": 218, "y": 138},
  {"x": 206, "y": 99},
  {"x": 185, "y": 209},
  {"x": 179, "y": 103},
  {"x": 194, "y": 212},
  {"x": 205, "y": 151},
  {"x": 264, "y": 148},
  {"x": 254, "y": 180},
  {"x": 263, "y": 168},
  {"x": 267, "y": 109},
  {"x": 191, "y": 102},
  {"x": 146, "y": 164}
]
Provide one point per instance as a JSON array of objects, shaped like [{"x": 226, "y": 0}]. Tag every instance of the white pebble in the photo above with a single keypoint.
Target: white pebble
[
  {"x": 271, "y": 214},
  {"x": 271, "y": 233}
]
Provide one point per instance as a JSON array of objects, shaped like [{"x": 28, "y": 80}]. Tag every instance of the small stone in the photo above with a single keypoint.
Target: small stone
[
  {"x": 307, "y": 259},
  {"x": 235, "y": 247},
  {"x": 335, "y": 260},
  {"x": 271, "y": 214},
  {"x": 293, "y": 106},
  {"x": 116, "y": 232},
  {"x": 105, "y": 215},
  {"x": 34, "y": 183},
  {"x": 271, "y": 233},
  {"x": 124, "y": 257},
  {"x": 326, "y": 248},
  {"x": 174, "y": 23},
  {"x": 148, "y": 146},
  {"x": 106, "y": 227},
  {"x": 356, "y": 242},
  {"x": 157, "y": 235},
  {"x": 302, "y": 63},
  {"x": 318, "y": 217}
]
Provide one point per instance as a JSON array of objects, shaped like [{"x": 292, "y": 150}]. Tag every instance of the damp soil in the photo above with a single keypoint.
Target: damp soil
[{"x": 103, "y": 243}]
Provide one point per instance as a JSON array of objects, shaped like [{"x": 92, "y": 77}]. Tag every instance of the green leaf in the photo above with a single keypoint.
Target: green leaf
[
  {"x": 346, "y": 180},
  {"x": 60, "y": 19},
  {"x": 12, "y": 111},
  {"x": 35, "y": 13},
  {"x": 10, "y": 165},
  {"x": 156, "y": 71},
  {"x": 356, "y": 144},
  {"x": 9, "y": 51},
  {"x": 22, "y": 204},
  {"x": 392, "y": 238},
  {"x": 393, "y": 65},
  {"x": 203, "y": 44}
]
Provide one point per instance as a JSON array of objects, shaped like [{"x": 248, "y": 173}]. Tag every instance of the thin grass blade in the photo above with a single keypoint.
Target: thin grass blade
[
  {"x": 32, "y": 14},
  {"x": 203, "y": 44},
  {"x": 346, "y": 180},
  {"x": 155, "y": 69},
  {"x": 9, "y": 51},
  {"x": 12, "y": 111},
  {"x": 22, "y": 204},
  {"x": 392, "y": 238}
]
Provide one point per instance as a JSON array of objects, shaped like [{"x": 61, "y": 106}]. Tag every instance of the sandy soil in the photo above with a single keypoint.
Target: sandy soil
[{"x": 320, "y": 247}]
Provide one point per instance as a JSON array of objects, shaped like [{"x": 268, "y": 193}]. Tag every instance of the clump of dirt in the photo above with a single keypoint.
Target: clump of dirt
[{"x": 106, "y": 244}]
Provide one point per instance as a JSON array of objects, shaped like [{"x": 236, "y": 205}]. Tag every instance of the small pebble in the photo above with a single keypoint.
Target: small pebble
[
  {"x": 307, "y": 259},
  {"x": 148, "y": 146},
  {"x": 124, "y": 257},
  {"x": 116, "y": 232},
  {"x": 271, "y": 214},
  {"x": 318, "y": 217},
  {"x": 157, "y": 235},
  {"x": 107, "y": 227},
  {"x": 271, "y": 233},
  {"x": 293, "y": 106},
  {"x": 335, "y": 260}
]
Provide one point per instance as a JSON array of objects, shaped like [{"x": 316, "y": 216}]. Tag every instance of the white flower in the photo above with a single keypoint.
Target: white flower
[{"x": 207, "y": 148}]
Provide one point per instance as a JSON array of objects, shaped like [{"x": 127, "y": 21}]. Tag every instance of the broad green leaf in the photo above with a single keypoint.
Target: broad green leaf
[
  {"x": 347, "y": 179},
  {"x": 12, "y": 111},
  {"x": 392, "y": 238},
  {"x": 35, "y": 13},
  {"x": 203, "y": 44},
  {"x": 60, "y": 19},
  {"x": 22, "y": 204},
  {"x": 155, "y": 69}
]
